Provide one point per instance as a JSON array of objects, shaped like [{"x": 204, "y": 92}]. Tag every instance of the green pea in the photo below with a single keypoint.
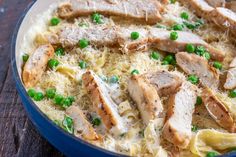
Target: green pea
[
  {"x": 66, "y": 103},
  {"x": 211, "y": 154},
  {"x": 83, "y": 64},
  {"x": 31, "y": 92},
  {"x": 200, "y": 50},
  {"x": 72, "y": 99},
  {"x": 169, "y": 58},
  {"x": 184, "y": 15},
  {"x": 190, "y": 48},
  {"x": 83, "y": 43},
  {"x": 232, "y": 93},
  {"x": 38, "y": 96},
  {"x": 193, "y": 79},
  {"x": 207, "y": 56},
  {"x": 25, "y": 57},
  {"x": 155, "y": 55},
  {"x": 189, "y": 25},
  {"x": 134, "y": 35},
  {"x": 97, "y": 18},
  {"x": 173, "y": 35},
  {"x": 96, "y": 121},
  {"x": 172, "y": 1},
  {"x": 53, "y": 63},
  {"x": 217, "y": 65},
  {"x": 58, "y": 99},
  {"x": 194, "y": 128},
  {"x": 60, "y": 51},
  {"x": 177, "y": 27},
  {"x": 135, "y": 72},
  {"x": 114, "y": 79},
  {"x": 199, "y": 100},
  {"x": 50, "y": 93},
  {"x": 55, "y": 21},
  {"x": 68, "y": 124}
]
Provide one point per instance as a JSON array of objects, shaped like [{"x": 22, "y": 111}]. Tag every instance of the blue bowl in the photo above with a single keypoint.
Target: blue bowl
[{"x": 68, "y": 144}]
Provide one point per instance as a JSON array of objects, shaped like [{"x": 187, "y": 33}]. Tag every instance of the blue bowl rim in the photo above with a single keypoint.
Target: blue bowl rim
[{"x": 23, "y": 90}]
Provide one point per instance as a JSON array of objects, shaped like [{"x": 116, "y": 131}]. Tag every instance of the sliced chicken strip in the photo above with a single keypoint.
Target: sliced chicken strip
[
  {"x": 81, "y": 125},
  {"x": 177, "y": 128},
  {"x": 146, "y": 98},
  {"x": 161, "y": 40},
  {"x": 105, "y": 107},
  {"x": 165, "y": 82},
  {"x": 224, "y": 18},
  {"x": 36, "y": 65},
  {"x": 146, "y": 10},
  {"x": 201, "y": 7},
  {"x": 230, "y": 82},
  {"x": 70, "y": 35},
  {"x": 231, "y": 5},
  {"x": 114, "y": 36},
  {"x": 216, "y": 3},
  {"x": 217, "y": 110},
  {"x": 196, "y": 65}
]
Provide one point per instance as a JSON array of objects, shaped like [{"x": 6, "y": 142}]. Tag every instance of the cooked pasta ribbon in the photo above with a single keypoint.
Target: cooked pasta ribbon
[
  {"x": 211, "y": 140},
  {"x": 67, "y": 71},
  {"x": 152, "y": 138}
]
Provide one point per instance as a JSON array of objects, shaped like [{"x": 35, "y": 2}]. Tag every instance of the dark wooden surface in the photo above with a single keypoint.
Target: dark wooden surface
[{"x": 17, "y": 134}]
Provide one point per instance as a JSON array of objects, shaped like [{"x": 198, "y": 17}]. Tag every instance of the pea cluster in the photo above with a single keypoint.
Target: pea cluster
[
  {"x": 201, "y": 51},
  {"x": 58, "y": 99}
]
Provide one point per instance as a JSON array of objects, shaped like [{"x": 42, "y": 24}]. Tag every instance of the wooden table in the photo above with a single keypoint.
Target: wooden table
[{"x": 18, "y": 136}]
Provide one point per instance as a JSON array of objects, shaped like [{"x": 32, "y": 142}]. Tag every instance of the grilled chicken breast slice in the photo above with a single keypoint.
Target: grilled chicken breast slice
[
  {"x": 70, "y": 35},
  {"x": 36, "y": 65},
  {"x": 147, "y": 11},
  {"x": 81, "y": 125},
  {"x": 165, "y": 82},
  {"x": 105, "y": 107},
  {"x": 161, "y": 40},
  {"x": 201, "y": 7},
  {"x": 197, "y": 65},
  {"x": 177, "y": 128},
  {"x": 146, "y": 98},
  {"x": 217, "y": 110},
  {"x": 224, "y": 18},
  {"x": 230, "y": 82}
]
